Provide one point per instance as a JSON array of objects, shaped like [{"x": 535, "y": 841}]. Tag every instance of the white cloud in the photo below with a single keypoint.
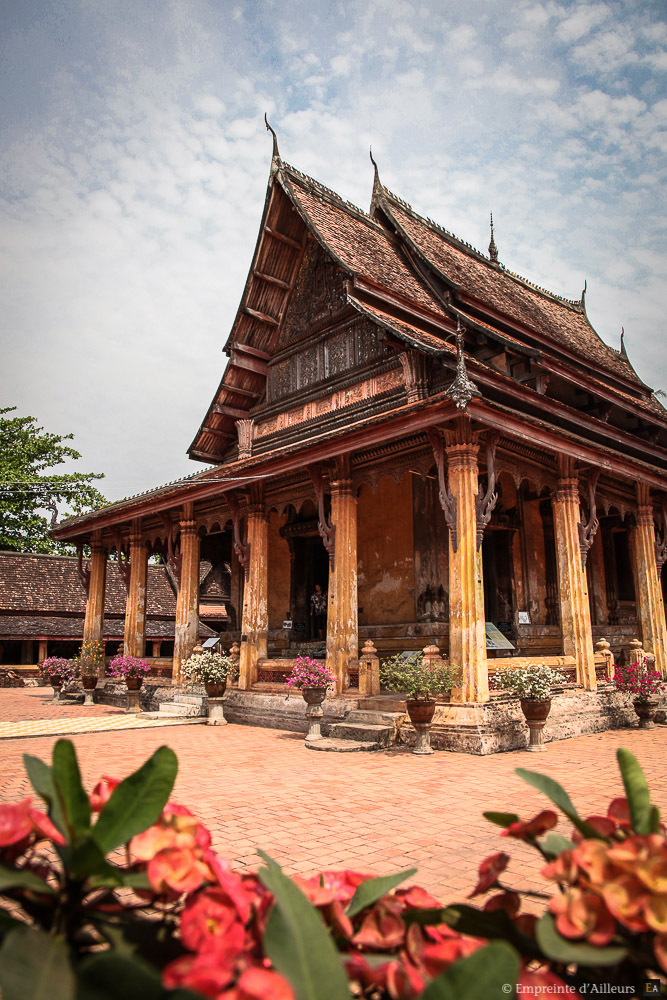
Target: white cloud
[{"x": 579, "y": 23}]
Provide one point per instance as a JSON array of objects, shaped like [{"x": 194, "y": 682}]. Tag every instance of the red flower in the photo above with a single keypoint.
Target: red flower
[
  {"x": 178, "y": 869},
  {"x": 488, "y": 871},
  {"x": 102, "y": 792},
  {"x": 261, "y": 984},
  {"x": 15, "y": 823},
  {"x": 44, "y": 828},
  {"x": 510, "y": 902},
  {"x": 382, "y": 928},
  {"x": 532, "y": 828},
  {"x": 582, "y": 914},
  {"x": 203, "y": 973},
  {"x": 211, "y": 922},
  {"x": 416, "y": 898},
  {"x": 324, "y": 888}
]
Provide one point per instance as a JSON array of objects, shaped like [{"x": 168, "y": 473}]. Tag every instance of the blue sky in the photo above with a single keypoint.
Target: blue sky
[{"x": 134, "y": 161}]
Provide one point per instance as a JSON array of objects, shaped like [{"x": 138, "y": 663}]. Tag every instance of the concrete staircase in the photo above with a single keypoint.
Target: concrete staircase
[
  {"x": 184, "y": 706},
  {"x": 361, "y": 730}
]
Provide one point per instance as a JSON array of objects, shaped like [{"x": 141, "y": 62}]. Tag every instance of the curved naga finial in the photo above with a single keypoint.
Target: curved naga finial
[
  {"x": 583, "y": 295},
  {"x": 276, "y": 154},
  {"x": 493, "y": 249},
  {"x": 623, "y": 350},
  {"x": 375, "y": 166}
]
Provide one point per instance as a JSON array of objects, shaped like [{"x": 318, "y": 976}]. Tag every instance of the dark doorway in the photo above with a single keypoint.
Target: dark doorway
[
  {"x": 310, "y": 565},
  {"x": 497, "y": 565}
]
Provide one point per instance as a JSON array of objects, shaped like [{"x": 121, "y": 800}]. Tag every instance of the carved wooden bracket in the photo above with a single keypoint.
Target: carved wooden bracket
[
  {"x": 123, "y": 561},
  {"x": 447, "y": 500},
  {"x": 326, "y": 529},
  {"x": 661, "y": 540},
  {"x": 241, "y": 548},
  {"x": 83, "y": 571},
  {"x": 415, "y": 374},
  {"x": 588, "y": 529},
  {"x": 173, "y": 555},
  {"x": 484, "y": 503},
  {"x": 244, "y": 429}
]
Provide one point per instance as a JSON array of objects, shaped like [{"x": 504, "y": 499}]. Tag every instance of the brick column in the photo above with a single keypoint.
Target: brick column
[
  {"x": 575, "y": 613},
  {"x": 255, "y": 621},
  {"x": 93, "y": 627},
  {"x": 187, "y": 603},
  {"x": 342, "y": 618},
  {"x": 135, "y": 605},
  {"x": 650, "y": 607},
  {"x": 467, "y": 633}
]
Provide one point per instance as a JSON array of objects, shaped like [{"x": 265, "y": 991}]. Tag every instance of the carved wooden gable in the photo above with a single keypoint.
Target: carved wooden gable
[{"x": 322, "y": 339}]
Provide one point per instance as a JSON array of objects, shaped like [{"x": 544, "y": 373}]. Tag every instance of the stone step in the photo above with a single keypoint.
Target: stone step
[
  {"x": 364, "y": 732},
  {"x": 384, "y": 703},
  {"x": 359, "y": 715},
  {"x": 179, "y": 710},
  {"x": 189, "y": 699},
  {"x": 341, "y": 746}
]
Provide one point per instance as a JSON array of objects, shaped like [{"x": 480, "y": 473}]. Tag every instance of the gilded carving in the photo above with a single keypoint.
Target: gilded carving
[
  {"x": 485, "y": 502},
  {"x": 447, "y": 499},
  {"x": 588, "y": 526},
  {"x": 661, "y": 539}
]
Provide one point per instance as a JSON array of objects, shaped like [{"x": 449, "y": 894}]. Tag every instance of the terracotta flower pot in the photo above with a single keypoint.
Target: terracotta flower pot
[
  {"x": 89, "y": 682},
  {"x": 421, "y": 711},
  {"x": 313, "y": 698},
  {"x": 134, "y": 683},
  {"x": 57, "y": 684},
  {"x": 215, "y": 689},
  {"x": 535, "y": 711},
  {"x": 646, "y": 712}
]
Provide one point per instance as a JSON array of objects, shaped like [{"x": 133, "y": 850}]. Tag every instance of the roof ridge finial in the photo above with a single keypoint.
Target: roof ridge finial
[
  {"x": 462, "y": 389},
  {"x": 276, "y": 154},
  {"x": 493, "y": 249},
  {"x": 375, "y": 166},
  {"x": 583, "y": 295},
  {"x": 624, "y": 353}
]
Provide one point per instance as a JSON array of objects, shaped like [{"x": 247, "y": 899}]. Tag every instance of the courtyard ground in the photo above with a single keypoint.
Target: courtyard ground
[{"x": 372, "y": 812}]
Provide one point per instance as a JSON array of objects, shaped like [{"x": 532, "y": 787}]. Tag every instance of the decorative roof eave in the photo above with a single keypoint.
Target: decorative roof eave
[{"x": 396, "y": 330}]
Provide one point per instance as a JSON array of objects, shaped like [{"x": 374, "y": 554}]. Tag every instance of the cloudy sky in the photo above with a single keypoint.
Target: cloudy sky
[{"x": 134, "y": 162}]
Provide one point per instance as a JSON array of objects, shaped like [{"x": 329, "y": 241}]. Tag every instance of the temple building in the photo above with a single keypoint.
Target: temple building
[{"x": 451, "y": 452}]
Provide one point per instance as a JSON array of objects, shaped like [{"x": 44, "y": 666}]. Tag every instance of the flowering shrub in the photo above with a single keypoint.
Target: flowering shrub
[
  {"x": 416, "y": 677},
  {"x": 117, "y": 895},
  {"x": 57, "y": 670},
  {"x": 309, "y": 673},
  {"x": 636, "y": 679},
  {"x": 128, "y": 666},
  {"x": 90, "y": 659},
  {"x": 216, "y": 668},
  {"x": 534, "y": 682}
]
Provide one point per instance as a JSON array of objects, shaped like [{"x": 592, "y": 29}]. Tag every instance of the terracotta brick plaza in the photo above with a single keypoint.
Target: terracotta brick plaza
[{"x": 373, "y": 812}]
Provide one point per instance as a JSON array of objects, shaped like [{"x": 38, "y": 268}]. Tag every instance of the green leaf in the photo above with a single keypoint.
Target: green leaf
[
  {"x": 35, "y": 966},
  {"x": 137, "y": 801},
  {"x": 67, "y": 780},
  {"x": 297, "y": 942},
  {"x": 559, "y": 949},
  {"x": 425, "y": 916},
  {"x": 491, "y": 924},
  {"x": 110, "y": 976},
  {"x": 41, "y": 779},
  {"x": 21, "y": 878},
  {"x": 375, "y": 888},
  {"x": 560, "y": 798},
  {"x": 484, "y": 974},
  {"x": 636, "y": 791},
  {"x": 501, "y": 819},
  {"x": 655, "y": 820},
  {"x": 554, "y": 844}
]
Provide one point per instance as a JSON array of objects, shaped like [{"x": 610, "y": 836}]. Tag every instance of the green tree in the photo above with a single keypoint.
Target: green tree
[{"x": 31, "y": 496}]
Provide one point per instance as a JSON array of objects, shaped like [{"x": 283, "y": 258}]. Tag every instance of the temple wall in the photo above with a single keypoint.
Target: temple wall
[
  {"x": 386, "y": 584},
  {"x": 535, "y": 579},
  {"x": 279, "y": 571},
  {"x": 431, "y": 554}
]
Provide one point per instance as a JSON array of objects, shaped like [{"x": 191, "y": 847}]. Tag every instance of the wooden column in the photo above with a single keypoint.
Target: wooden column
[
  {"x": 255, "y": 622},
  {"x": 650, "y": 607},
  {"x": 575, "y": 614},
  {"x": 187, "y": 603},
  {"x": 467, "y": 633},
  {"x": 135, "y": 605},
  {"x": 42, "y": 651},
  {"x": 93, "y": 627},
  {"x": 342, "y": 618}
]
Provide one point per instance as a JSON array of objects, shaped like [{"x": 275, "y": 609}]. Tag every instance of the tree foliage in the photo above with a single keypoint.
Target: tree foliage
[{"x": 31, "y": 495}]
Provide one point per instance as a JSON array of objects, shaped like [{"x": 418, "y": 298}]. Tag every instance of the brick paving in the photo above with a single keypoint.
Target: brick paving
[{"x": 260, "y": 788}]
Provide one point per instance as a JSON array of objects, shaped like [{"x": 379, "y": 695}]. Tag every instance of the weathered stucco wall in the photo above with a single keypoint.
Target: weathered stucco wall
[
  {"x": 385, "y": 556},
  {"x": 279, "y": 571}
]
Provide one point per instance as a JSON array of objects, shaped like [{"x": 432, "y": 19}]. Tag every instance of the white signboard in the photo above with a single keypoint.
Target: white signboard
[{"x": 495, "y": 638}]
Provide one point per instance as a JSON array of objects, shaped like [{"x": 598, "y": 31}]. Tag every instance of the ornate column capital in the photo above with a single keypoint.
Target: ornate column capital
[
  {"x": 567, "y": 489},
  {"x": 188, "y": 527}
]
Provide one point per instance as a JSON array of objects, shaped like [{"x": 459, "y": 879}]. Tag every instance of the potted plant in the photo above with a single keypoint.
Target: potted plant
[
  {"x": 132, "y": 670},
  {"x": 58, "y": 672},
  {"x": 90, "y": 664},
  {"x": 313, "y": 679},
  {"x": 646, "y": 687},
  {"x": 532, "y": 686},
  {"x": 420, "y": 679},
  {"x": 211, "y": 669}
]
